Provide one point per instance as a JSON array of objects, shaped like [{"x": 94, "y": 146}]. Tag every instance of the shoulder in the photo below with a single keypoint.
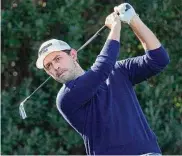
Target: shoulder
[
  {"x": 120, "y": 68},
  {"x": 61, "y": 98},
  {"x": 120, "y": 65}
]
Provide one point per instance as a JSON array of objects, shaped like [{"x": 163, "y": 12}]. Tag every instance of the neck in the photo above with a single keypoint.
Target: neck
[{"x": 79, "y": 71}]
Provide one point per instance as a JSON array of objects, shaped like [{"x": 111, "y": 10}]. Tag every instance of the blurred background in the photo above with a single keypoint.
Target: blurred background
[{"x": 25, "y": 24}]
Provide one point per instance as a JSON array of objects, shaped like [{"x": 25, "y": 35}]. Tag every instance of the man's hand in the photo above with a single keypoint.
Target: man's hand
[
  {"x": 113, "y": 21},
  {"x": 126, "y": 12}
]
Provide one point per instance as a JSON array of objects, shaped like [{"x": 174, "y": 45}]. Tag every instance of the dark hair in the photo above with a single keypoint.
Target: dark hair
[{"x": 68, "y": 52}]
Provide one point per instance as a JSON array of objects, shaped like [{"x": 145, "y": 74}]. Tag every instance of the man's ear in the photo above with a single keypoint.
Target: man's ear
[{"x": 73, "y": 54}]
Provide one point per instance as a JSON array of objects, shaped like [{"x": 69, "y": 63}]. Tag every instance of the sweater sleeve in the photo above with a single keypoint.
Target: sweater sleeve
[
  {"x": 143, "y": 67},
  {"x": 85, "y": 86}
]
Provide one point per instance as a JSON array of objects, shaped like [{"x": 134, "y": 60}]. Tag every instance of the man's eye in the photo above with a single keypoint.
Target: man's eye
[
  {"x": 58, "y": 58},
  {"x": 48, "y": 66}
]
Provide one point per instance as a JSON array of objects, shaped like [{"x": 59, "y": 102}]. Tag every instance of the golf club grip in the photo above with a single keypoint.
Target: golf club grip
[{"x": 92, "y": 38}]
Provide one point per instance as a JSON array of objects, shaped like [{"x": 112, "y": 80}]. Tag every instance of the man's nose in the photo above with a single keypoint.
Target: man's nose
[{"x": 56, "y": 66}]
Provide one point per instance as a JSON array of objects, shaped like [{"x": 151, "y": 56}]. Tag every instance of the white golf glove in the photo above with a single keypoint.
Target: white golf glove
[{"x": 126, "y": 12}]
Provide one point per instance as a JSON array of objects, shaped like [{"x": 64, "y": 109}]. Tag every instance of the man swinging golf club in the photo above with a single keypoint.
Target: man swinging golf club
[{"x": 101, "y": 104}]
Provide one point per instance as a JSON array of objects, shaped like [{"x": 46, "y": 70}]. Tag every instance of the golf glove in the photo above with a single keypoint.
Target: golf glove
[{"x": 126, "y": 12}]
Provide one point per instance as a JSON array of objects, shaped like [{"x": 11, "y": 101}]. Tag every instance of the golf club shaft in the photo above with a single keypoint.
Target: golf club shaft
[
  {"x": 93, "y": 37},
  {"x": 83, "y": 46},
  {"x": 38, "y": 88}
]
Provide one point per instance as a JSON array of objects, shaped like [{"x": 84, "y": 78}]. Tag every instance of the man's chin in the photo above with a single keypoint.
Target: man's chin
[{"x": 63, "y": 80}]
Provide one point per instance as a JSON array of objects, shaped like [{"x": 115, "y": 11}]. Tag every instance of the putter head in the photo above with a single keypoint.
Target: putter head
[{"x": 22, "y": 110}]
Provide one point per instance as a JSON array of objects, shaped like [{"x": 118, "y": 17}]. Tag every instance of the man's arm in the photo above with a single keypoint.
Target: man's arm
[
  {"x": 144, "y": 34},
  {"x": 155, "y": 59},
  {"x": 141, "y": 68}
]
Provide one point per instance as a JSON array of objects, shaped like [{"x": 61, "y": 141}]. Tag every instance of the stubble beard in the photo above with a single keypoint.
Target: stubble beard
[{"x": 69, "y": 75}]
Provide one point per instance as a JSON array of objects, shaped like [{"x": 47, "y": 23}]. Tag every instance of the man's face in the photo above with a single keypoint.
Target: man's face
[{"x": 61, "y": 66}]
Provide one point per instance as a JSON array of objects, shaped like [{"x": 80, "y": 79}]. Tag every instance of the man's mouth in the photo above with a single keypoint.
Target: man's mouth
[{"x": 61, "y": 73}]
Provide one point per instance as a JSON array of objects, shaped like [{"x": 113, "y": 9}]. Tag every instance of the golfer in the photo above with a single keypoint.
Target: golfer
[{"x": 101, "y": 104}]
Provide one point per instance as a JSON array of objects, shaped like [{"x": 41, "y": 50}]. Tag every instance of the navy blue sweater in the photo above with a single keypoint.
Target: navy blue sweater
[{"x": 101, "y": 105}]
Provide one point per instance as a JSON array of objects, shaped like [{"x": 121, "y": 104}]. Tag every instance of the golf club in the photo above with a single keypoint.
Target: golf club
[{"x": 21, "y": 107}]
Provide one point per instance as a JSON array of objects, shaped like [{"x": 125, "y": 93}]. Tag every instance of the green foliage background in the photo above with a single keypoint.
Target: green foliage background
[{"x": 25, "y": 26}]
